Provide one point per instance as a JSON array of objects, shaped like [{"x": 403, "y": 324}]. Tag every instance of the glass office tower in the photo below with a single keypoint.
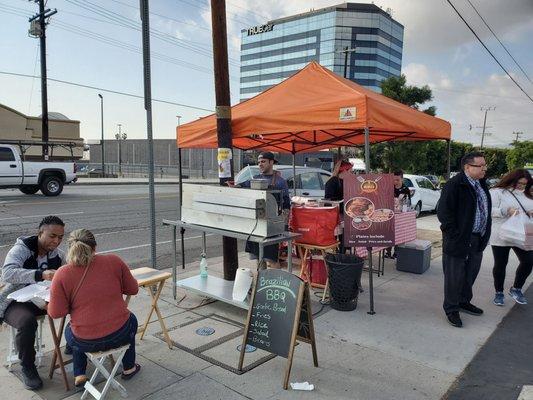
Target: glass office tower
[{"x": 276, "y": 50}]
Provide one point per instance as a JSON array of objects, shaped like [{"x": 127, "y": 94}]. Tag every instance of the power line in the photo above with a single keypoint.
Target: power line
[
  {"x": 132, "y": 24},
  {"x": 164, "y": 16},
  {"x": 106, "y": 90},
  {"x": 112, "y": 42},
  {"x": 486, "y": 48},
  {"x": 498, "y": 39}
]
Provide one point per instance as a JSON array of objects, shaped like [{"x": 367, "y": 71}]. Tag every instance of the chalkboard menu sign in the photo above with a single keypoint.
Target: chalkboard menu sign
[{"x": 280, "y": 314}]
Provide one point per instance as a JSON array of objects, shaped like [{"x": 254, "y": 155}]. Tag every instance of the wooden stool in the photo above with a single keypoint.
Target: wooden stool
[
  {"x": 98, "y": 360},
  {"x": 13, "y": 355},
  {"x": 304, "y": 251}
]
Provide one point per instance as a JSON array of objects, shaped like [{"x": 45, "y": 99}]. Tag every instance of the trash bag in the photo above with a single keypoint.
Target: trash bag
[{"x": 344, "y": 274}]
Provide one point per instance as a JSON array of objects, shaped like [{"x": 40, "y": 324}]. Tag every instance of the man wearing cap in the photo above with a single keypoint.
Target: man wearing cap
[{"x": 266, "y": 161}]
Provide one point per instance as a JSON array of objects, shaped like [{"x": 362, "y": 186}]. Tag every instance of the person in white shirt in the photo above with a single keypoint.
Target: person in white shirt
[{"x": 510, "y": 196}]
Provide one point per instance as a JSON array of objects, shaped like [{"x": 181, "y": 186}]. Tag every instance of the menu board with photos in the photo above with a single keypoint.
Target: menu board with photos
[{"x": 368, "y": 210}]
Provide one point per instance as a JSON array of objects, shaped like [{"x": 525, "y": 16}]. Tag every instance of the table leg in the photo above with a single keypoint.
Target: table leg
[
  {"x": 57, "y": 356},
  {"x": 289, "y": 256},
  {"x": 154, "y": 307},
  {"x": 326, "y": 287},
  {"x": 175, "y": 265}
]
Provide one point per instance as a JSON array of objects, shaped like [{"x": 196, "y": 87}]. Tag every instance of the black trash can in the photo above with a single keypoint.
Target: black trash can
[{"x": 344, "y": 274}]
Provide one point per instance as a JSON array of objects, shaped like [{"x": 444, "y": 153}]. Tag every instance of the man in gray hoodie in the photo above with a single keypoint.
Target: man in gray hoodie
[{"x": 32, "y": 259}]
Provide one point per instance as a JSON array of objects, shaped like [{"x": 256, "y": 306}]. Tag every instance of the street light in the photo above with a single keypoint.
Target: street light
[
  {"x": 120, "y": 136},
  {"x": 102, "y": 140}
]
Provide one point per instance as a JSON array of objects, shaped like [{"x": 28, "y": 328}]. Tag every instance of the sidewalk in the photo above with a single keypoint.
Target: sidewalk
[{"x": 406, "y": 351}]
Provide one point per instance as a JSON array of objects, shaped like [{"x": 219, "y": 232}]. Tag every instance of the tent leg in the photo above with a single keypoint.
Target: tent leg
[
  {"x": 293, "y": 170},
  {"x": 367, "y": 150},
  {"x": 448, "y": 167}
]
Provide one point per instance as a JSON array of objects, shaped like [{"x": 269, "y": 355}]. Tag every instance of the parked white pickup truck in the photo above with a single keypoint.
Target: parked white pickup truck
[{"x": 31, "y": 176}]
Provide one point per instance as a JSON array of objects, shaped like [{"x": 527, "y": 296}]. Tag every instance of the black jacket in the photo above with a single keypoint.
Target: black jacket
[
  {"x": 334, "y": 189},
  {"x": 457, "y": 212}
]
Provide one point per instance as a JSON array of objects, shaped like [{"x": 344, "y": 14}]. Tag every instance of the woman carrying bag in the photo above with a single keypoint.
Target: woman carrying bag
[
  {"x": 510, "y": 197},
  {"x": 90, "y": 288}
]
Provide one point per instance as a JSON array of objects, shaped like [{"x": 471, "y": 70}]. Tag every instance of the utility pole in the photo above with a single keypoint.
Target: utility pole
[
  {"x": 346, "y": 50},
  {"x": 38, "y": 29},
  {"x": 486, "y": 109},
  {"x": 518, "y": 134},
  {"x": 147, "y": 80},
  {"x": 120, "y": 137},
  {"x": 223, "y": 114},
  {"x": 102, "y": 140}
]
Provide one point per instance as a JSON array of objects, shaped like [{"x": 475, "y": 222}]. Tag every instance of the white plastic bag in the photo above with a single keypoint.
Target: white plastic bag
[{"x": 514, "y": 230}]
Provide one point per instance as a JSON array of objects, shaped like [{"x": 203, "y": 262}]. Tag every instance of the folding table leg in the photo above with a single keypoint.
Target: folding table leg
[
  {"x": 57, "y": 357},
  {"x": 155, "y": 299}
]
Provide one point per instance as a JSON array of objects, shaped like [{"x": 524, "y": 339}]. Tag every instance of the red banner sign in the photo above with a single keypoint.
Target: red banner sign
[{"x": 368, "y": 210}]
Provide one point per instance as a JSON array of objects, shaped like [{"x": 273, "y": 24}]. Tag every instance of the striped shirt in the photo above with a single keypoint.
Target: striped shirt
[{"x": 482, "y": 205}]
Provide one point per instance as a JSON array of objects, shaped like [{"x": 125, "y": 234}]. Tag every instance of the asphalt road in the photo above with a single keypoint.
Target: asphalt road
[{"x": 117, "y": 215}]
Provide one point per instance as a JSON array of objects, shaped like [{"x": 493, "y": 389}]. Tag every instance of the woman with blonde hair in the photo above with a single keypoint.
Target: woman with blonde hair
[{"x": 90, "y": 287}]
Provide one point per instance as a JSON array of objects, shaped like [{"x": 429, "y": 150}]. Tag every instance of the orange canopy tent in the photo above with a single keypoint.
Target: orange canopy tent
[{"x": 315, "y": 109}]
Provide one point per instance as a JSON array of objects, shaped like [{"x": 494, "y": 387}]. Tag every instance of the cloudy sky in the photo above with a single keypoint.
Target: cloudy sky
[{"x": 97, "y": 43}]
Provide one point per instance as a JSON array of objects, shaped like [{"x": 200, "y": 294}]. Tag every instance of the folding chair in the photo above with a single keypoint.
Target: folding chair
[
  {"x": 98, "y": 360},
  {"x": 13, "y": 355}
]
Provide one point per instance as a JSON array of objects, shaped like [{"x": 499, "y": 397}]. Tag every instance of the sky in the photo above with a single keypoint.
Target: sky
[{"x": 98, "y": 43}]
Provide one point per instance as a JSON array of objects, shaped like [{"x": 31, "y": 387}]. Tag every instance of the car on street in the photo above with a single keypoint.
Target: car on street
[
  {"x": 492, "y": 182},
  {"x": 310, "y": 182},
  {"x": 31, "y": 176},
  {"x": 424, "y": 195},
  {"x": 434, "y": 180}
]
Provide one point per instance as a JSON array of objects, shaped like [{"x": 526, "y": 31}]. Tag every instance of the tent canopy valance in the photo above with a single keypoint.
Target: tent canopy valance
[{"x": 315, "y": 109}]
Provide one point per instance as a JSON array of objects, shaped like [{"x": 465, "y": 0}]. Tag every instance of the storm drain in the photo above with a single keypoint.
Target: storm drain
[{"x": 217, "y": 340}]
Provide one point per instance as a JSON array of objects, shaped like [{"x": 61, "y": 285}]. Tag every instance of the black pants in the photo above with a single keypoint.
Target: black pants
[
  {"x": 460, "y": 275},
  {"x": 501, "y": 257},
  {"x": 23, "y": 317}
]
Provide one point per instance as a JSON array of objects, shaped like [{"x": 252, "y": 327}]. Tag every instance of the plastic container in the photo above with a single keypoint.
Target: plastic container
[
  {"x": 203, "y": 267},
  {"x": 414, "y": 256},
  {"x": 344, "y": 273}
]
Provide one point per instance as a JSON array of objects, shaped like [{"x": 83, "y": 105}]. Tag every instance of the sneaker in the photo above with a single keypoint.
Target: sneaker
[
  {"x": 517, "y": 295},
  {"x": 471, "y": 309},
  {"x": 31, "y": 378},
  {"x": 498, "y": 299},
  {"x": 454, "y": 319}
]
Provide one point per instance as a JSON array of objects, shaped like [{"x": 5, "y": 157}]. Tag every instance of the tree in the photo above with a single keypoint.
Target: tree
[
  {"x": 520, "y": 155},
  {"x": 396, "y": 88}
]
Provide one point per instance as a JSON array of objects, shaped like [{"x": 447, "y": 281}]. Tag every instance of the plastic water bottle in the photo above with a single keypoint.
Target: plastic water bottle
[{"x": 203, "y": 267}]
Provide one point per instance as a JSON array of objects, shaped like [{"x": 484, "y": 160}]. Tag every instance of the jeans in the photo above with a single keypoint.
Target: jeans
[
  {"x": 460, "y": 275},
  {"x": 23, "y": 317},
  {"x": 501, "y": 257},
  {"x": 126, "y": 334}
]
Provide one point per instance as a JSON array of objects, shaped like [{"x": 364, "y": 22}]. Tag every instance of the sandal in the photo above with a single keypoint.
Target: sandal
[{"x": 127, "y": 377}]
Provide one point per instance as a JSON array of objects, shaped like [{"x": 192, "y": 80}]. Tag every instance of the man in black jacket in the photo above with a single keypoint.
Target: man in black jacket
[{"x": 465, "y": 215}]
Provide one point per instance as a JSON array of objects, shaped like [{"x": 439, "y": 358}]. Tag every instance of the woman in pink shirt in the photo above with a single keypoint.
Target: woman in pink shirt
[{"x": 90, "y": 288}]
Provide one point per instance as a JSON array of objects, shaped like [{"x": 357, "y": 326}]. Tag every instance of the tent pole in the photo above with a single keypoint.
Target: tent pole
[
  {"x": 369, "y": 249},
  {"x": 448, "y": 167},
  {"x": 293, "y": 170},
  {"x": 367, "y": 150}
]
